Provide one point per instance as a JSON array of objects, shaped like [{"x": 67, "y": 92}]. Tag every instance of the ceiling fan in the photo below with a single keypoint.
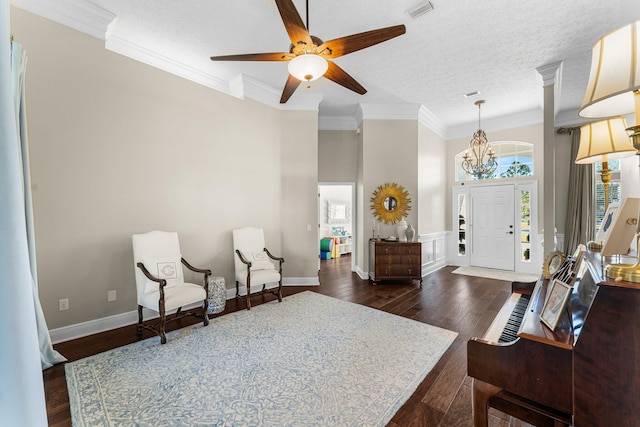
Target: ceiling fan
[{"x": 309, "y": 55}]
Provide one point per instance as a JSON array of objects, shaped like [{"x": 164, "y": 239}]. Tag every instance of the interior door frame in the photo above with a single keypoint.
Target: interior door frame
[{"x": 354, "y": 213}]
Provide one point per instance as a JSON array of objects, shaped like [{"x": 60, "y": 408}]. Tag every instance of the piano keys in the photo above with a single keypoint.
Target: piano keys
[
  {"x": 585, "y": 373},
  {"x": 506, "y": 324}
]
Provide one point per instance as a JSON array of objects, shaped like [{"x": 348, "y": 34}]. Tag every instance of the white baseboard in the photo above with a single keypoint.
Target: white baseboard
[
  {"x": 95, "y": 326},
  {"x": 300, "y": 281},
  {"x": 364, "y": 275},
  {"x": 433, "y": 267},
  {"x": 91, "y": 327}
]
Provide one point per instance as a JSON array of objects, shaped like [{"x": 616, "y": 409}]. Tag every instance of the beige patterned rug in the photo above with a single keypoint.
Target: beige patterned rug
[{"x": 311, "y": 360}]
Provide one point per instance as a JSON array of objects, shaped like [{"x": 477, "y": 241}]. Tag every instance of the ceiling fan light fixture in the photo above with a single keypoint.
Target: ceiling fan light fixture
[{"x": 308, "y": 67}]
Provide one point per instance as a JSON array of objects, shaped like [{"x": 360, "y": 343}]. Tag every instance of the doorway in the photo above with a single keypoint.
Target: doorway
[
  {"x": 336, "y": 221},
  {"x": 495, "y": 227},
  {"x": 492, "y": 227}
]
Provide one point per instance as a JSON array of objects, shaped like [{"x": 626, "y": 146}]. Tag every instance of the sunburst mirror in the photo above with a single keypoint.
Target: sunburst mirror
[{"x": 390, "y": 203}]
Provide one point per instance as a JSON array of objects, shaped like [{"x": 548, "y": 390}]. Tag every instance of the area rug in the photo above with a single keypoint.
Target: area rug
[
  {"x": 490, "y": 273},
  {"x": 311, "y": 360}
]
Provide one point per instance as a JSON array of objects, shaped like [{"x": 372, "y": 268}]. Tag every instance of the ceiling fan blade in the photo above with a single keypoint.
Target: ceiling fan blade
[
  {"x": 274, "y": 56},
  {"x": 290, "y": 87},
  {"x": 338, "y": 75},
  {"x": 293, "y": 23},
  {"x": 344, "y": 45}
]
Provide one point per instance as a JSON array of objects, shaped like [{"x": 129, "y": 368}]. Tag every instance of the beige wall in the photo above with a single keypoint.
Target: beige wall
[
  {"x": 118, "y": 148},
  {"x": 432, "y": 181},
  {"x": 337, "y": 156},
  {"x": 389, "y": 155},
  {"x": 400, "y": 151},
  {"x": 300, "y": 193}
]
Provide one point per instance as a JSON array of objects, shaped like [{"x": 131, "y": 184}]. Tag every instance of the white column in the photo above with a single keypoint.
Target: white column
[{"x": 551, "y": 83}]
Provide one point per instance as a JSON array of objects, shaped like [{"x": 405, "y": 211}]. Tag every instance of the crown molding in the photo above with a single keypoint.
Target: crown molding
[
  {"x": 265, "y": 94},
  {"x": 77, "y": 14},
  {"x": 87, "y": 18},
  {"x": 240, "y": 86},
  {"x": 511, "y": 121},
  {"x": 94, "y": 21},
  {"x": 135, "y": 51},
  {"x": 389, "y": 111},
  {"x": 431, "y": 121},
  {"x": 337, "y": 123}
]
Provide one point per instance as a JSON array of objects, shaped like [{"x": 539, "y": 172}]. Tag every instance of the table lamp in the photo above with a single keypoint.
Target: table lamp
[
  {"x": 602, "y": 141},
  {"x": 613, "y": 90}
]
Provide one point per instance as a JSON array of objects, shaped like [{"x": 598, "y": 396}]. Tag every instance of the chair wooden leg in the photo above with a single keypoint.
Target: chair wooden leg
[
  {"x": 280, "y": 291},
  {"x": 237, "y": 289},
  {"x": 205, "y": 317},
  {"x": 139, "y": 332},
  {"x": 161, "y": 333}
]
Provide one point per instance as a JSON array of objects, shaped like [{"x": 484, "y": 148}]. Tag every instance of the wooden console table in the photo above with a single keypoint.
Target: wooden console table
[{"x": 395, "y": 260}]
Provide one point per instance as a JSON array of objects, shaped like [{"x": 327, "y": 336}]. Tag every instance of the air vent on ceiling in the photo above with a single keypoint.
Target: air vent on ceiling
[{"x": 420, "y": 9}]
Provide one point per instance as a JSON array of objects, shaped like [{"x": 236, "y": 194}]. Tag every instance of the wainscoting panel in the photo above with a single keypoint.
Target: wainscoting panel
[{"x": 434, "y": 251}]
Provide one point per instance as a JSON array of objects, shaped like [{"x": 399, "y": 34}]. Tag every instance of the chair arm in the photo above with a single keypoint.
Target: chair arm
[
  {"x": 243, "y": 259},
  {"x": 206, "y": 272},
  {"x": 150, "y": 276},
  {"x": 273, "y": 256}
]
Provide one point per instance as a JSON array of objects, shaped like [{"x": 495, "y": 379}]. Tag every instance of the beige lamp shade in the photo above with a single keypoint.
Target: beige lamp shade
[
  {"x": 604, "y": 138},
  {"x": 614, "y": 75}
]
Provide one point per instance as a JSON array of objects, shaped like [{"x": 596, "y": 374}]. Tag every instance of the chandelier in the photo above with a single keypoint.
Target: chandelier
[{"x": 480, "y": 159}]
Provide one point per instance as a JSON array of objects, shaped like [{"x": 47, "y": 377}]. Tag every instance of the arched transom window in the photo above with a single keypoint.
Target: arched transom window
[{"x": 515, "y": 158}]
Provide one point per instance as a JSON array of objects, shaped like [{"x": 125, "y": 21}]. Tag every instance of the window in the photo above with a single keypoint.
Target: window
[
  {"x": 514, "y": 159},
  {"x": 525, "y": 225},
  {"x": 614, "y": 188}
]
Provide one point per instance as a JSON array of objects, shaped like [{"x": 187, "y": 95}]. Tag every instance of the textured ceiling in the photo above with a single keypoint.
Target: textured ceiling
[{"x": 462, "y": 46}]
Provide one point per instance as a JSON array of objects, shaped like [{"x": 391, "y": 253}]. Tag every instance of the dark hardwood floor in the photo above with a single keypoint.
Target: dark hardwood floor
[{"x": 459, "y": 303}]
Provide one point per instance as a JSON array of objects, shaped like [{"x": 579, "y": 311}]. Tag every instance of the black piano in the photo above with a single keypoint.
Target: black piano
[{"x": 586, "y": 373}]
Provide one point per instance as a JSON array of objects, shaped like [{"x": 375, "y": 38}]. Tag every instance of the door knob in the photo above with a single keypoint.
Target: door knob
[{"x": 509, "y": 232}]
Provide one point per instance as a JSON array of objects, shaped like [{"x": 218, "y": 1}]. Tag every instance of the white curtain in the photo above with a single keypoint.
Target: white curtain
[
  {"x": 48, "y": 356},
  {"x": 22, "y": 401}
]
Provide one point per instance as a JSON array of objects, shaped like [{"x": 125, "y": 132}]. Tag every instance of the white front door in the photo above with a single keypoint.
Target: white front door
[{"x": 492, "y": 227}]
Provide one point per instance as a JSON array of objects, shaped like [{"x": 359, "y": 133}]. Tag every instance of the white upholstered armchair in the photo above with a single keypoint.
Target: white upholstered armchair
[
  {"x": 254, "y": 264},
  {"x": 160, "y": 281}
]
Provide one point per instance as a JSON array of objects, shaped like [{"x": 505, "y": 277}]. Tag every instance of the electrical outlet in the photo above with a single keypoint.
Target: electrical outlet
[
  {"x": 63, "y": 304},
  {"x": 111, "y": 296}
]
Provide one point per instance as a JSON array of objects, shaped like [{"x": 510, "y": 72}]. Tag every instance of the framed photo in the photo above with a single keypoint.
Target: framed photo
[
  {"x": 552, "y": 264},
  {"x": 619, "y": 234},
  {"x": 563, "y": 273},
  {"x": 555, "y": 303},
  {"x": 607, "y": 222}
]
